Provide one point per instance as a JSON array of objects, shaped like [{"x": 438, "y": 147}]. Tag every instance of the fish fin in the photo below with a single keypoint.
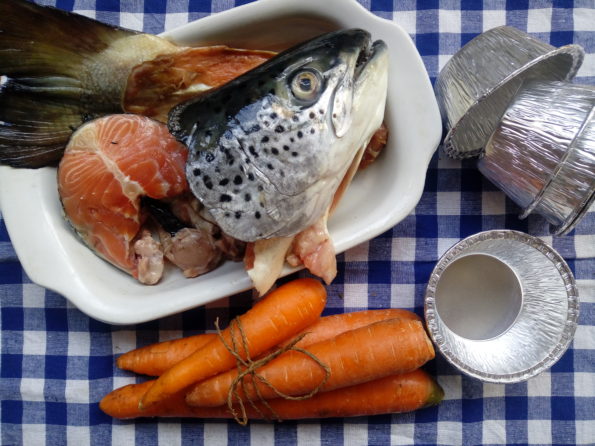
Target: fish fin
[
  {"x": 45, "y": 41},
  {"x": 44, "y": 94},
  {"x": 182, "y": 118},
  {"x": 34, "y": 131},
  {"x": 269, "y": 259}
]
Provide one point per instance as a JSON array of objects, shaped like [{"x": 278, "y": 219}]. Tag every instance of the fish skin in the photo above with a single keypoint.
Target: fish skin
[{"x": 266, "y": 164}]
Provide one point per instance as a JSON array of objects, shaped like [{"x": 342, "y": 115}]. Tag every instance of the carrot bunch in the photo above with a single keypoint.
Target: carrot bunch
[{"x": 282, "y": 360}]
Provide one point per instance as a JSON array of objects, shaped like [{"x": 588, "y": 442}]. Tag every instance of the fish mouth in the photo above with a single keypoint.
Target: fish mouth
[
  {"x": 354, "y": 46},
  {"x": 369, "y": 52}
]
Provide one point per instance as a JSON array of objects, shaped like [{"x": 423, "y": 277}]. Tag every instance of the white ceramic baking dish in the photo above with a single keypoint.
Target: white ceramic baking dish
[{"x": 378, "y": 199}]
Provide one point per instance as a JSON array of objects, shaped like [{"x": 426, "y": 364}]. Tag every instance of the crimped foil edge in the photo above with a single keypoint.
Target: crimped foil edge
[{"x": 563, "y": 230}]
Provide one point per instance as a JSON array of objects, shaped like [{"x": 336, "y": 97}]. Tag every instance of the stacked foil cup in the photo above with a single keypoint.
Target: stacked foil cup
[
  {"x": 542, "y": 154},
  {"x": 507, "y": 98}
]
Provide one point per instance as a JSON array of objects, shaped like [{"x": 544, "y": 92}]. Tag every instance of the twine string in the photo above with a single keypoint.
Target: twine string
[{"x": 248, "y": 367}]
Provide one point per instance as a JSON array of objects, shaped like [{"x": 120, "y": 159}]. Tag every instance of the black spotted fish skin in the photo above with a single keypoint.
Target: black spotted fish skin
[
  {"x": 264, "y": 162},
  {"x": 262, "y": 157}
]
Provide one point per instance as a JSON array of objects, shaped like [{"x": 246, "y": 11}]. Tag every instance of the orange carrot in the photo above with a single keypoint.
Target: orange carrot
[
  {"x": 124, "y": 403},
  {"x": 391, "y": 394},
  {"x": 156, "y": 359},
  {"x": 356, "y": 356},
  {"x": 330, "y": 326},
  {"x": 284, "y": 312}
]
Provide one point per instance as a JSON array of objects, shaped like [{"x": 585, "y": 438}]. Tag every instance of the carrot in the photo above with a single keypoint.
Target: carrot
[
  {"x": 156, "y": 359},
  {"x": 330, "y": 326},
  {"x": 284, "y": 312},
  {"x": 356, "y": 356},
  {"x": 124, "y": 403},
  {"x": 391, "y": 394}
]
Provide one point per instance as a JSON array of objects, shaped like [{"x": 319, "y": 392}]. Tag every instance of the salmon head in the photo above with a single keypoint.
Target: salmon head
[{"x": 268, "y": 150}]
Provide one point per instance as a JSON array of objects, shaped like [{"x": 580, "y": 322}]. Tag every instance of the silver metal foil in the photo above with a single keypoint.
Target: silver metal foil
[
  {"x": 533, "y": 338},
  {"x": 542, "y": 154},
  {"x": 571, "y": 188},
  {"x": 477, "y": 84}
]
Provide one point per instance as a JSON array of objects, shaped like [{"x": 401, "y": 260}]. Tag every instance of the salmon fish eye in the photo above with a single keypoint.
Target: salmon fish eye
[{"x": 307, "y": 85}]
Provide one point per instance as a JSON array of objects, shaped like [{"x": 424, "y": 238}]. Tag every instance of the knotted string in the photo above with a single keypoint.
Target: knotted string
[{"x": 248, "y": 367}]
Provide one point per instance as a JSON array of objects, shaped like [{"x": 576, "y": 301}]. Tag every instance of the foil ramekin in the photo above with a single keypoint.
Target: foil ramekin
[
  {"x": 477, "y": 84},
  {"x": 571, "y": 187},
  {"x": 501, "y": 306},
  {"x": 542, "y": 153}
]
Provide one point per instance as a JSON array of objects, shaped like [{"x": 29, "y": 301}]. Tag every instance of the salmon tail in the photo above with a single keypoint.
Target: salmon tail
[
  {"x": 45, "y": 41},
  {"x": 33, "y": 131},
  {"x": 43, "y": 53},
  {"x": 55, "y": 74}
]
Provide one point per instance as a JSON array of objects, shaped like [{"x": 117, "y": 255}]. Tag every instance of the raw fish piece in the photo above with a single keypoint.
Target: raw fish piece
[{"x": 109, "y": 164}]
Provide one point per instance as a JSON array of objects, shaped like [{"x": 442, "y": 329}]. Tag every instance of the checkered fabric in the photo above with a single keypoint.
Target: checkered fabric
[{"x": 57, "y": 363}]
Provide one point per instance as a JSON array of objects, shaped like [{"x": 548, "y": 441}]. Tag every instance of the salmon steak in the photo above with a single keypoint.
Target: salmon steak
[{"x": 108, "y": 165}]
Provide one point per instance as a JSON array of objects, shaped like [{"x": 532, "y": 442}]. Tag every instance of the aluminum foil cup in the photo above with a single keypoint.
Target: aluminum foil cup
[
  {"x": 570, "y": 190},
  {"x": 501, "y": 306},
  {"x": 542, "y": 153},
  {"x": 477, "y": 84}
]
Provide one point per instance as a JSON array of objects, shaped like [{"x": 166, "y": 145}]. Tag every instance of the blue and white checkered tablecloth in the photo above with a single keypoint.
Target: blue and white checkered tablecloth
[{"x": 57, "y": 363}]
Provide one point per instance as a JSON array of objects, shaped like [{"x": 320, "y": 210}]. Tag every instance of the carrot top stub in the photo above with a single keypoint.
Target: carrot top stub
[{"x": 281, "y": 314}]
